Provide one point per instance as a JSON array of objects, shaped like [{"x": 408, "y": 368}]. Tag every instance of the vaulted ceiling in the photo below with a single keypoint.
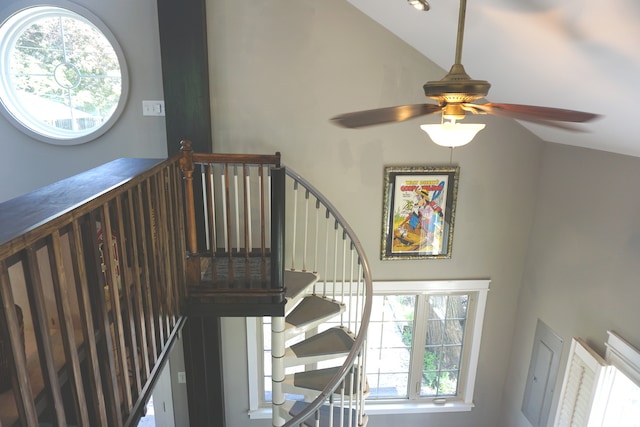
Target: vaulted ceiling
[{"x": 575, "y": 54}]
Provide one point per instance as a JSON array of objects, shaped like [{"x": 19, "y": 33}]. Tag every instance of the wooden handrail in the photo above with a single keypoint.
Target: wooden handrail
[
  {"x": 100, "y": 312},
  {"x": 225, "y": 196}
]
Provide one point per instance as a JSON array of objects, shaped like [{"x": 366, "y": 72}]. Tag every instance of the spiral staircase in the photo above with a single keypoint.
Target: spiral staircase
[
  {"x": 318, "y": 333},
  {"x": 137, "y": 250}
]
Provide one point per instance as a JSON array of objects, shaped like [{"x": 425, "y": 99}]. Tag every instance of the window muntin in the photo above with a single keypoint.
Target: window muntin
[
  {"x": 471, "y": 295},
  {"x": 416, "y": 346},
  {"x": 63, "y": 78}
]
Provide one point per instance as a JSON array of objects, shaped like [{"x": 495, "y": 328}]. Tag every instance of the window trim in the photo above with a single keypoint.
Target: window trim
[
  {"x": 463, "y": 403},
  {"x": 85, "y": 15},
  {"x": 593, "y": 395},
  {"x": 623, "y": 356}
]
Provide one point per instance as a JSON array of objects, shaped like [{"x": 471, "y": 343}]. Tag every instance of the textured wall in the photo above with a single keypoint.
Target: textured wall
[
  {"x": 280, "y": 70},
  {"x": 582, "y": 269}
]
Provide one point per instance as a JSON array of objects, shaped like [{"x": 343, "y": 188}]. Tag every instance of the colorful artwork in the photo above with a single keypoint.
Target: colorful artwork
[{"x": 418, "y": 212}]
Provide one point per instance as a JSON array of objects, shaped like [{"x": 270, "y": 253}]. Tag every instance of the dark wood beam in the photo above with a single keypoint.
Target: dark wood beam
[{"x": 185, "y": 73}]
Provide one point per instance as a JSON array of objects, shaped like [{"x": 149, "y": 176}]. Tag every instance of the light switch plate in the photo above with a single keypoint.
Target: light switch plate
[{"x": 153, "y": 108}]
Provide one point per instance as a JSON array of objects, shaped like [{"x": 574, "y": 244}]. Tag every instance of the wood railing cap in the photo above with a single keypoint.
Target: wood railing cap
[{"x": 24, "y": 213}]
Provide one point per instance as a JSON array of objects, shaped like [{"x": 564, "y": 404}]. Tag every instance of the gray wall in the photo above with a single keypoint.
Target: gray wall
[
  {"x": 582, "y": 269},
  {"x": 279, "y": 70},
  {"x": 27, "y": 164}
]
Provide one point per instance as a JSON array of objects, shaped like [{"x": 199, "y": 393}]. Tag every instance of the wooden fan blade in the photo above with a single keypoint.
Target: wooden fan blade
[
  {"x": 379, "y": 116},
  {"x": 533, "y": 113}
]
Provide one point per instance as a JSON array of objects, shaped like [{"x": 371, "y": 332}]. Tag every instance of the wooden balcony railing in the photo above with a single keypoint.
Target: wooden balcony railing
[
  {"x": 96, "y": 264},
  {"x": 235, "y": 227}
]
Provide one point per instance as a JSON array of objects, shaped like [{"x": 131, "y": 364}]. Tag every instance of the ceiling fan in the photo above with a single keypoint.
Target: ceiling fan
[{"x": 455, "y": 95}]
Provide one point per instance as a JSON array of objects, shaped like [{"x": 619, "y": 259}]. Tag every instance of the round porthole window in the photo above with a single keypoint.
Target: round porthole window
[{"x": 63, "y": 78}]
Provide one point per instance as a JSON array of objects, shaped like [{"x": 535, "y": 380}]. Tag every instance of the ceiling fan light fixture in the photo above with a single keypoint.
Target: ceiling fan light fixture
[
  {"x": 420, "y": 4},
  {"x": 452, "y": 134}
]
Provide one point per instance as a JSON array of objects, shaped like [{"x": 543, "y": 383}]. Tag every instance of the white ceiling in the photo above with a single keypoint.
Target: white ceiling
[{"x": 575, "y": 54}]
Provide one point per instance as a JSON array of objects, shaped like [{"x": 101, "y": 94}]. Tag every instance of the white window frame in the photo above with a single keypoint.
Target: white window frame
[
  {"x": 478, "y": 289},
  {"x": 15, "y": 111}
]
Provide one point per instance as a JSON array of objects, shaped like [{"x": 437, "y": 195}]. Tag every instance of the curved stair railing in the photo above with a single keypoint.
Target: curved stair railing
[{"x": 331, "y": 375}]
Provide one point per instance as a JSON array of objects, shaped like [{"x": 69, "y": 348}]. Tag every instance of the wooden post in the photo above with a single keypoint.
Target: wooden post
[
  {"x": 278, "y": 206},
  {"x": 186, "y": 165}
]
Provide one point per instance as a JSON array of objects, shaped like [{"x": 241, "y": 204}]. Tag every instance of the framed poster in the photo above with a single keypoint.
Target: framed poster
[{"x": 418, "y": 212}]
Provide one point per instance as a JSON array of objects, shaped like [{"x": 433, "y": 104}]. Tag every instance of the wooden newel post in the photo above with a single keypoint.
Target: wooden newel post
[{"x": 186, "y": 165}]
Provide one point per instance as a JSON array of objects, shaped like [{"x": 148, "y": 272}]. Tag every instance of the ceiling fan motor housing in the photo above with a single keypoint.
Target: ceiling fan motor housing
[{"x": 454, "y": 89}]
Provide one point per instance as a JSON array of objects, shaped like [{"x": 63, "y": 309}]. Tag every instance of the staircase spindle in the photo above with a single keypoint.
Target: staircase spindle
[
  {"x": 212, "y": 208},
  {"x": 351, "y": 297},
  {"x": 86, "y": 321},
  {"x": 43, "y": 338},
  {"x": 294, "y": 225},
  {"x": 336, "y": 227},
  {"x": 248, "y": 244},
  {"x": 59, "y": 283},
  {"x": 23, "y": 394},
  {"x": 344, "y": 272},
  {"x": 112, "y": 277},
  {"x": 316, "y": 239},
  {"x": 306, "y": 231},
  {"x": 331, "y": 407},
  {"x": 140, "y": 318},
  {"x": 236, "y": 192},
  {"x": 224, "y": 183},
  {"x": 205, "y": 205},
  {"x": 326, "y": 253}
]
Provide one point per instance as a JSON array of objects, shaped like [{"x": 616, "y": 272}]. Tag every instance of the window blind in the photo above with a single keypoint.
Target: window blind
[{"x": 585, "y": 370}]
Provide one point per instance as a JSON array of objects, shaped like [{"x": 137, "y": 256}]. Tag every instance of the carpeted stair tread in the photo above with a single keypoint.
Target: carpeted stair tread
[
  {"x": 319, "y": 378},
  {"x": 312, "y": 308},
  {"x": 331, "y": 341},
  {"x": 295, "y": 282}
]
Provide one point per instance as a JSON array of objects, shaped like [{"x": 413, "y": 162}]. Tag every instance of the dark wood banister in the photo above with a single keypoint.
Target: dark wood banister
[
  {"x": 147, "y": 208},
  {"x": 123, "y": 196}
]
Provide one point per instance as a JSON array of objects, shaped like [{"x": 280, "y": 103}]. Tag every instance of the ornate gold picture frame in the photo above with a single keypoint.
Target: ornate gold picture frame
[{"x": 418, "y": 212}]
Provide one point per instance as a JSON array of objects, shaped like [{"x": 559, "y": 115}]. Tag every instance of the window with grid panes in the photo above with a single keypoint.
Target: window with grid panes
[{"x": 423, "y": 343}]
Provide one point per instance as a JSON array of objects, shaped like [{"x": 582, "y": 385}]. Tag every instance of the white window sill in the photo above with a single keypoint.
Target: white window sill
[
  {"x": 378, "y": 408},
  {"x": 374, "y": 408}
]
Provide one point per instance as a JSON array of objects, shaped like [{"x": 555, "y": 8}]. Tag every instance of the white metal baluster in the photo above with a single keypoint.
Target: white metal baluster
[
  {"x": 294, "y": 225},
  {"x": 225, "y": 220},
  {"x": 351, "y": 297},
  {"x": 362, "y": 381},
  {"x": 315, "y": 243},
  {"x": 247, "y": 184},
  {"x": 351, "y": 393},
  {"x": 335, "y": 259},
  {"x": 326, "y": 254},
  {"x": 344, "y": 272},
  {"x": 205, "y": 204},
  {"x": 306, "y": 231},
  {"x": 277, "y": 369},
  {"x": 361, "y": 295},
  {"x": 331, "y": 405},
  {"x": 316, "y": 236},
  {"x": 237, "y": 211},
  {"x": 342, "y": 401}
]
